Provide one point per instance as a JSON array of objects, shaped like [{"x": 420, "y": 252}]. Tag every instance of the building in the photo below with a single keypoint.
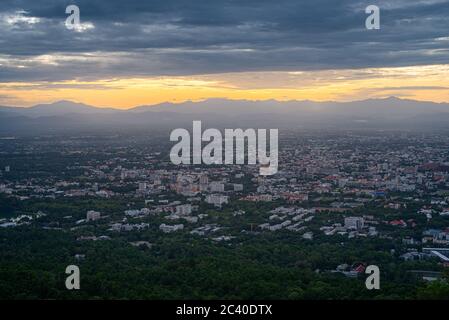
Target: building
[
  {"x": 184, "y": 209},
  {"x": 216, "y": 187},
  {"x": 238, "y": 187},
  {"x": 137, "y": 213},
  {"x": 80, "y": 257},
  {"x": 92, "y": 215},
  {"x": 7, "y": 169},
  {"x": 295, "y": 197},
  {"x": 204, "y": 180},
  {"x": 441, "y": 253},
  {"x": 142, "y": 186},
  {"x": 167, "y": 228},
  {"x": 355, "y": 223},
  {"x": 257, "y": 198},
  {"x": 216, "y": 199}
]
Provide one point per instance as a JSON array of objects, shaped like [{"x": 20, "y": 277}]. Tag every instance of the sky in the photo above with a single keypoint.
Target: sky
[{"x": 136, "y": 52}]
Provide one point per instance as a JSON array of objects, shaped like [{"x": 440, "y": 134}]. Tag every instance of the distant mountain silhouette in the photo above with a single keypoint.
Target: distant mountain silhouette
[
  {"x": 62, "y": 107},
  {"x": 388, "y": 106},
  {"x": 393, "y": 113}
]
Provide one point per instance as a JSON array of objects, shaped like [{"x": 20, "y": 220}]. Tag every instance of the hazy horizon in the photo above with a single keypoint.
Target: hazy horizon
[{"x": 55, "y": 102}]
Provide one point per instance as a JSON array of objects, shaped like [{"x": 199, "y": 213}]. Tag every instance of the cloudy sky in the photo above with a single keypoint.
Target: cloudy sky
[{"x": 136, "y": 52}]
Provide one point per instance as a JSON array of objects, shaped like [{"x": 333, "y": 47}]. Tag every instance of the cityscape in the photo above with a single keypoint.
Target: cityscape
[
  {"x": 224, "y": 158},
  {"x": 341, "y": 201}
]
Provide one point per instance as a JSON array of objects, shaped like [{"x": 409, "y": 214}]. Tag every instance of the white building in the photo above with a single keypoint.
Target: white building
[
  {"x": 167, "y": 228},
  {"x": 355, "y": 223},
  {"x": 137, "y": 212},
  {"x": 92, "y": 215},
  {"x": 216, "y": 187},
  {"x": 216, "y": 199},
  {"x": 184, "y": 209}
]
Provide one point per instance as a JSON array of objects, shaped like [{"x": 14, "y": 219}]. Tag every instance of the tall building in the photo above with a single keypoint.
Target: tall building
[{"x": 7, "y": 169}]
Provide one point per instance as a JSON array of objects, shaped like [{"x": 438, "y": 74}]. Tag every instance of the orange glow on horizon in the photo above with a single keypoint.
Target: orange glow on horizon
[{"x": 428, "y": 83}]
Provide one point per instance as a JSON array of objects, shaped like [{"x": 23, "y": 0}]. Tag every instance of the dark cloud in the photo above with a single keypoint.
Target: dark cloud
[{"x": 180, "y": 37}]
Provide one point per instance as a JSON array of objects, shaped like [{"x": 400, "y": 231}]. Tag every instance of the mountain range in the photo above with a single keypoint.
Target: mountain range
[{"x": 67, "y": 116}]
